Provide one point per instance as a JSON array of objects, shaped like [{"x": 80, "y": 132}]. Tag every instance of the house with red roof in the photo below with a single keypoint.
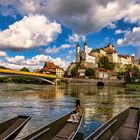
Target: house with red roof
[
  {"x": 102, "y": 73},
  {"x": 51, "y": 68}
]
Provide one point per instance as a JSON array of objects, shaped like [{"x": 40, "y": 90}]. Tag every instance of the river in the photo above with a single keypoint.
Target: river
[{"x": 45, "y": 103}]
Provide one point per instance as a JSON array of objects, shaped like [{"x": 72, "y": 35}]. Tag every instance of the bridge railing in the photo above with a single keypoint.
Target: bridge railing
[{"x": 27, "y": 73}]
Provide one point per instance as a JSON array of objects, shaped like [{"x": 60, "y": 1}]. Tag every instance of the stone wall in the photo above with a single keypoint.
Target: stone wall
[{"x": 106, "y": 82}]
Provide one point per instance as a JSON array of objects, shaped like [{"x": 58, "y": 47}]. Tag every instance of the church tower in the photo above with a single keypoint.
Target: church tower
[
  {"x": 85, "y": 47},
  {"x": 78, "y": 52}
]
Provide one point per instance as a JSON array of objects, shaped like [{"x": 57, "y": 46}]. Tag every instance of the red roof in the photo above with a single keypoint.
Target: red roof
[
  {"x": 49, "y": 65},
  {"x": 124, "y": 56},
  {"x": 81, "y": 67},
  {"x": 109, "y": 50},
  {"x": 112, "y": 72},
  {"x": 101, "y": 69}
]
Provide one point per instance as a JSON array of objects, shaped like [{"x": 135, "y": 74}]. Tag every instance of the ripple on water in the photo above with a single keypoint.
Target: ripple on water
[{"x": 46, "y": 103}]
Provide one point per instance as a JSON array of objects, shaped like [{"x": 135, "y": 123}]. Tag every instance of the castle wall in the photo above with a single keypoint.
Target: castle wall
[{"x": 90, "y": 59}]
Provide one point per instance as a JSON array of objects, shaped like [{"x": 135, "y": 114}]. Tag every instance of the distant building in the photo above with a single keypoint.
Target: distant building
[
  {"x": 88, "y": 58},
  {"x": 51, "y": 68},
  {"x": 81, "y": 71},
  {"x": 84, "y": 56},
  {"x": 101, "y": 73},
  {"x": 111, "y": 53}
]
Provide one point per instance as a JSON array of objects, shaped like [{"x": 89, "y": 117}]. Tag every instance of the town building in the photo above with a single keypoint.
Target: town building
[
  {"x": 51, "y": 68},
  {"x": 89, "y": 57},
  {"x": 85, "y": 58}
]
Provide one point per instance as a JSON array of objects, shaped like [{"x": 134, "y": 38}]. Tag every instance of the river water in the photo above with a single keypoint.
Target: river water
[{"x": 45, "y": 103}]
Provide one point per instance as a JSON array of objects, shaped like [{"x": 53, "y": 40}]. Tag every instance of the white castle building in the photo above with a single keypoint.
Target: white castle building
[
  {"x": 92, "y": 56},
  {"x": 84, "y": 56},
  {"x": 89, "y": 57}
]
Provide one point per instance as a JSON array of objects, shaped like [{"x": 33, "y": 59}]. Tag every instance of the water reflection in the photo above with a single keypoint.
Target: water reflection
[{"x": 45, "y": 103}]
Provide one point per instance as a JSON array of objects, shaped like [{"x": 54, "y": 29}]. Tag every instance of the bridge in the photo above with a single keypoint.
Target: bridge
[{"x": 44, "y": 77}]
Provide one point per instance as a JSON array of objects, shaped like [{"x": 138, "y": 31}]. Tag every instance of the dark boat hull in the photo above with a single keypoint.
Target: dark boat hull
[
  {"x": 9, "y": 129},
  {"x": 124, "y": 126},
  {"x": 49, "y": 131}
]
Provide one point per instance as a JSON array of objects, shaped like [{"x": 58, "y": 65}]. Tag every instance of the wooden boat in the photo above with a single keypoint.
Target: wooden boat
[
  {"x": 60, "y": 129},
  {"x": 124, "y": 126},
  {"x": 9, "y": 129}
]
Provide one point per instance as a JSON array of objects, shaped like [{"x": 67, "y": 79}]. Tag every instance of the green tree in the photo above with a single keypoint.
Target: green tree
[
  {"x": 90, "y": 72},
  {"x": 128, "y": 67},
  {"x": 136, "y": 72},
  {"x": 24, "y": 69},
  {"x": 41, "y": 71},
  {"x": 120, "y": 75},
  {"x": 74, "y": 71},
  {"x": 136, "y": 69},
  {"x": 104, "y": 63}
]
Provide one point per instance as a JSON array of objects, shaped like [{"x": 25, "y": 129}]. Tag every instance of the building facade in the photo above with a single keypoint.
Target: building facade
[
  {"x": 93, "y": 56},
  {"x": 51, "y": 68},
  {"x": 84, "y": 55}
]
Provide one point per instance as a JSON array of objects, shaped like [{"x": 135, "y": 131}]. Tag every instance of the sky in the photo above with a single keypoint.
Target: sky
[{"x": 35, "y": 31}]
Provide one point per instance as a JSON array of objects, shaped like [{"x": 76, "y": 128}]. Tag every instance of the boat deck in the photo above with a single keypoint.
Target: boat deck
[
  {"x": 67, "y": 131},
  {"x": 128, "y": 131},
  {"x": 10, "y": 129}
]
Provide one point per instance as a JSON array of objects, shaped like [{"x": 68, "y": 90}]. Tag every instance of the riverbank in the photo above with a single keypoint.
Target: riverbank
[
  {"x": 133, "y": 86},
  {"x": 95, "y": 82}
]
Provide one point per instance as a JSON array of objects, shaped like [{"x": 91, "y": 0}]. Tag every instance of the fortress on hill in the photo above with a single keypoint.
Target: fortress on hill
[{"x": 88, "y": 58}]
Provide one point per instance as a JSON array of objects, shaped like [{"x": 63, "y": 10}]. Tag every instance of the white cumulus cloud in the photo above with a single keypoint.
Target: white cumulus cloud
[
  {"x": 31, "y": 31},
  {"x": 3, "y": 54},
  {"x": 55, "y": 49},
  {"x": 131, "y": 38},
  {"x": 36, "y": 62},
  {"x": 76, "y": 38},
  {"x": 83, "y": 16},
  {"x": 16, "y": 60}
]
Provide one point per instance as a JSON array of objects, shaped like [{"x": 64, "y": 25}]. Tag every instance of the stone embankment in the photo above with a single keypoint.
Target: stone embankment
[{"x": 95, "y": 82}]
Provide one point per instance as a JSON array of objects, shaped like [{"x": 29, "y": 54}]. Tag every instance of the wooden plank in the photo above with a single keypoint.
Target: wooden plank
[
  {"x": 10, "y": 129},
  {"x": 39, "y": 134},
  {"x": 104, "y": 130},
  {"x": 128, "y": 130},
  {"x": 66, "y": 131}
]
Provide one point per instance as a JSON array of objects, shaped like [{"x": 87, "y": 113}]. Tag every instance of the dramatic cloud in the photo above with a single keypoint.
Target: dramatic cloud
[
  {"x": 31, "y": 31},
  {"x": 76, "y": 38},
  {"x": 36, "y": 62},
  {"x": 3, "y": 54},
  {"x": 16, "y": 60},
  {"x": 58, "y": 49},
  {"x": 131, "y": 38},
  {"x": 132, "y": 15},
  {"x": 83, "y": 16}
]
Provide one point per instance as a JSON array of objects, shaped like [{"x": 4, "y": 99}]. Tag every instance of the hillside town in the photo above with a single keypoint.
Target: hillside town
[
  {"x": 97, "y": 63},
  {"x": 93, "y": 59},
  {"x": 90, "y": 59}
]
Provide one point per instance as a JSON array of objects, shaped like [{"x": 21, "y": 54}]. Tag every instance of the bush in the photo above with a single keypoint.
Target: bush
[{"x": 90, "y": 72}]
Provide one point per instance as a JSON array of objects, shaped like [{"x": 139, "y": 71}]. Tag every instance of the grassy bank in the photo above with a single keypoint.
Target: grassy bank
[{"x": 133, "y": 86}]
